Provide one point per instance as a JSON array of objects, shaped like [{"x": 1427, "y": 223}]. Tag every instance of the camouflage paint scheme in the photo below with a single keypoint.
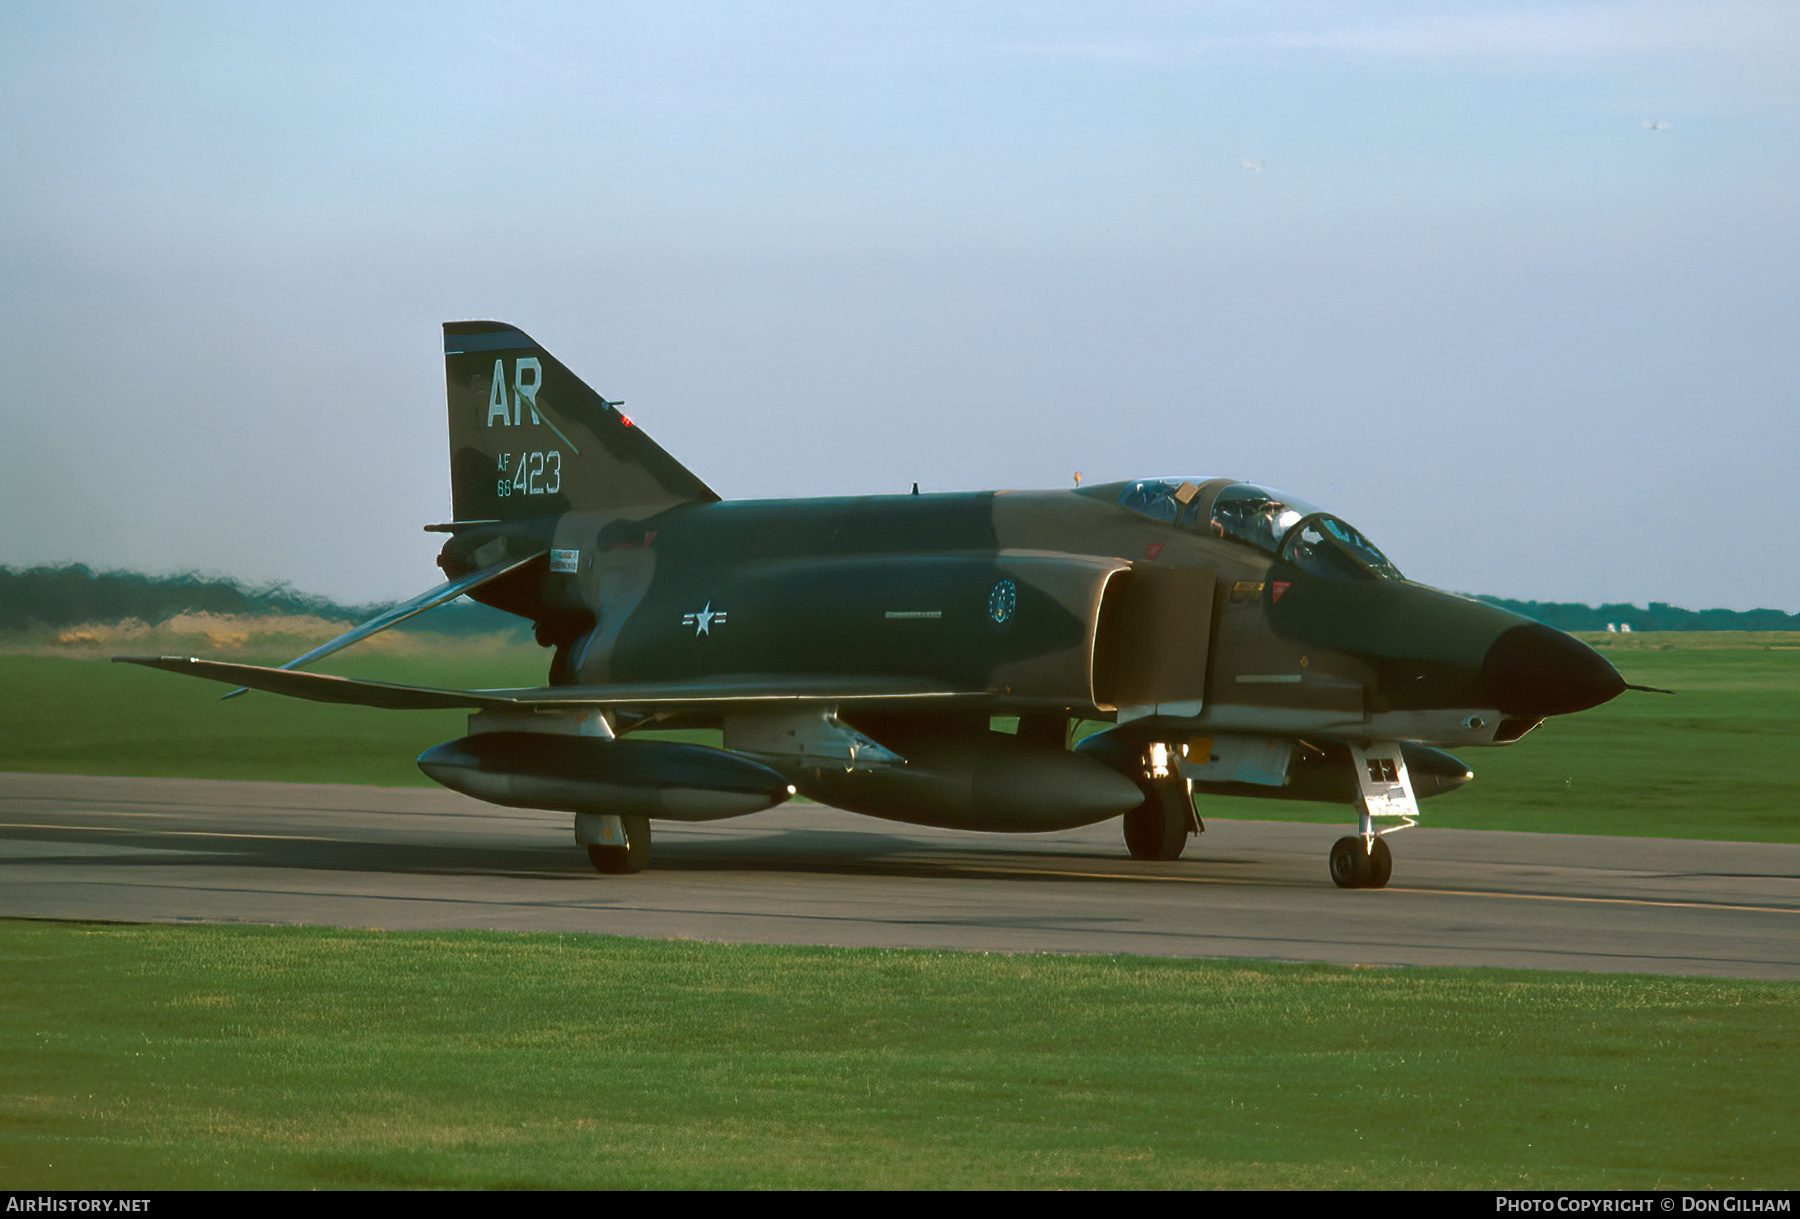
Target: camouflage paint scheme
[{"x": 855, "y": 649}]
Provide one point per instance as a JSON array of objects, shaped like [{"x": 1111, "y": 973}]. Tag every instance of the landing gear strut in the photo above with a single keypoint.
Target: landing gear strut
[{"x": 616, "y": 845}]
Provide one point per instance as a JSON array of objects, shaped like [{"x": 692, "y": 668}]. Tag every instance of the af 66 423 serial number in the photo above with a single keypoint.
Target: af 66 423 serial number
[{"x": 529, "y": 473}]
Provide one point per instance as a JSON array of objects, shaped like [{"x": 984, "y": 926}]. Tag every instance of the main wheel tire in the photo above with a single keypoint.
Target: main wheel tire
[
  {"x": 1350, "y": 863},
  {"x": 632, "y": 857},
  {"x": 1381, "y": 865},
  {"x": 1158, "y": 828}
]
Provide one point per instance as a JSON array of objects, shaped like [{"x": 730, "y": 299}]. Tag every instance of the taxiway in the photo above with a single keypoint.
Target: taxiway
[{"x": 173, "y": 850}]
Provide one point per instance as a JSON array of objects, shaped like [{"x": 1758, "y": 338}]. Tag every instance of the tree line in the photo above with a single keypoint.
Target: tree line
[
  {"x": 41, "y": 597},
  {"x": 1660, "y": 616},
  {"x": 49, "y": 597}
]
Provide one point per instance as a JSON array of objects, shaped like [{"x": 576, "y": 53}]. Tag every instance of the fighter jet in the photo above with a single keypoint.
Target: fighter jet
[{"x": 866, "y": 652}]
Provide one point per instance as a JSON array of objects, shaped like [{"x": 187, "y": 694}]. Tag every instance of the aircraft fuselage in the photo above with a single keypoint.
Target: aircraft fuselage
[{"x": 1024, "y": 603}]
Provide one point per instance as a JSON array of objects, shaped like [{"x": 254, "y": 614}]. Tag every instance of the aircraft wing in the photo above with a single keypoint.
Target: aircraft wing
[{"x": 326, "y": 688}]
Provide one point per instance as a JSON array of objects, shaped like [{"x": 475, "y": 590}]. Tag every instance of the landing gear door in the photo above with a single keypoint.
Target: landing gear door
[
  {"x": 1155, "y": 634},
  {"x": 1384, "y": 785}
]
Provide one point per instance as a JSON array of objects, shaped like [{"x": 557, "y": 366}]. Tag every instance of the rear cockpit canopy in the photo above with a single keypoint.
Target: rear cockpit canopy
[{"x": 1271, "y": 521}]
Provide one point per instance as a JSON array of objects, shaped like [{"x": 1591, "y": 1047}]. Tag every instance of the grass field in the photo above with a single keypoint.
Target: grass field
[
  {"x": 82, "y": 715},
  {"x": 203, "y": 1057},
  {"x": 1716, "y": 759}
]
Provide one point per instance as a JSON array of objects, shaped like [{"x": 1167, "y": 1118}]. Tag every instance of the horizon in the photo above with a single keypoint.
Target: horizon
[{"x": 289, "y": 589}]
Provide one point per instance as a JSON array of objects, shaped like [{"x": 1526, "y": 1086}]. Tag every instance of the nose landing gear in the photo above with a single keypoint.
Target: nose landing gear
[{"x": 1363, "y": 860}]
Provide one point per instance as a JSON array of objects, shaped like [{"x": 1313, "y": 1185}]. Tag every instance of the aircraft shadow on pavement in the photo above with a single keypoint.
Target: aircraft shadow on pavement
[{"x": 823, "y": 852}]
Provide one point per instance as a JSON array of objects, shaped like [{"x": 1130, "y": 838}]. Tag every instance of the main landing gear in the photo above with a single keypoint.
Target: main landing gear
[
  {"x": 1363, "y": 860},
  {"x": 616, "y": 845},
  {"x": 1158, "y": 828}
]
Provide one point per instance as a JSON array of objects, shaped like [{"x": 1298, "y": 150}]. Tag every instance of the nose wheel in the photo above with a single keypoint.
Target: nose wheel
[{"x": 1357, "y": 863}]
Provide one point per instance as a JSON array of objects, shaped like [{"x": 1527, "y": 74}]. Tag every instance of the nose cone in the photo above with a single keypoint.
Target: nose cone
[{"x": 1536, "y": 670}]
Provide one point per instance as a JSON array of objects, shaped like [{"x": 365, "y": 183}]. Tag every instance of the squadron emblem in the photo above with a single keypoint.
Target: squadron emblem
[{"x": 1002, "y": 599}]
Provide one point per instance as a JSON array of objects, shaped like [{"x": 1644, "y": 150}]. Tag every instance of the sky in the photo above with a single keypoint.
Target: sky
[{"x": 1515, "y": 289}]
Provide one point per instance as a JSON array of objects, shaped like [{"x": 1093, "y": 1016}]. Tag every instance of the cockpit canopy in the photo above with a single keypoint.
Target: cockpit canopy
[{"x": 1271, "y": 521}]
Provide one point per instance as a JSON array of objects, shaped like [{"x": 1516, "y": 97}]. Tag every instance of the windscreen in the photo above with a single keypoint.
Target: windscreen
[{"x": 1325, "y": 546}]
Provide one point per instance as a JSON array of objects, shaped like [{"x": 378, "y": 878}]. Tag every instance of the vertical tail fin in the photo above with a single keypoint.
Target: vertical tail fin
[{"x": 529, "y": 438}]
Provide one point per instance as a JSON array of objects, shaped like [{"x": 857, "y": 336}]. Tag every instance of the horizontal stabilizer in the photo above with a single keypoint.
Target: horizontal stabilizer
[
  {"x": 325, "y": 688},
  {"x": 448, "y": 591}
]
